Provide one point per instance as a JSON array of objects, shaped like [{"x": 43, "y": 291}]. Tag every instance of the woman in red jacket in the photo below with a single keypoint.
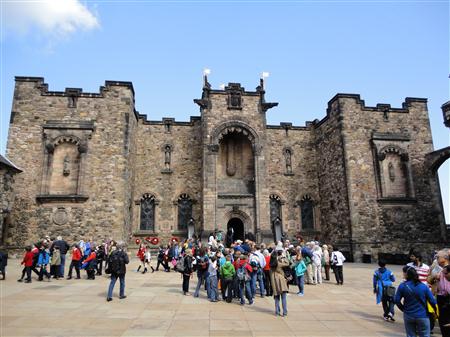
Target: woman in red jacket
[{"x": 27, "y": 262}]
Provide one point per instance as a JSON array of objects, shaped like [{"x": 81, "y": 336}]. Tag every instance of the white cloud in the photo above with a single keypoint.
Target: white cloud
[{"x": 58, "y": 18}]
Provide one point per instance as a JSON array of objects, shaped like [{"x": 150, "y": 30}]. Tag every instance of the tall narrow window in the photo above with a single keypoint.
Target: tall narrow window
[
  {"x": 275, "y": 208},
  {"x": 307, "y": 212},
  {"x": 184, "y": 211},
  {"x": 147, "y": 213}
]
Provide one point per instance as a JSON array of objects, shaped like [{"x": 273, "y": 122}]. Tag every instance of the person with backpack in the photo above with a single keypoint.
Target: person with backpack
[
  {"x": 63, "y": 248},
  {"x": 90, "y": 264},
  {"x": 337, "y": 261},
  {"x": 212, "y": 279},
  {"x": 43, "y": 261},
  {"x": 117, "y": 268},
  {"x": 308, "y": 256},
  {"x": 75, "y": 263},
  {"x": 384, "y": 290},
  {"x": 227, "y": 273},
  {"x": 202, "y": 261},
  {"x": 415, "y": 296},
  {"x": 184, "y": 266},
  {"x": 243, "y": 272},
  {"x": 257, "y": 262},
  {"x": 279, "y": 283}
]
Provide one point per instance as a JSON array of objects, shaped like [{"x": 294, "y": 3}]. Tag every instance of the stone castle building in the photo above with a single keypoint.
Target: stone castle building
[{"x": 94, "y": 167}]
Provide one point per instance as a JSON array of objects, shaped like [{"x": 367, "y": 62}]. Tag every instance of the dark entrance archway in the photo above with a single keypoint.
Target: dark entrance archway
[{"x": 238, "y": 228}]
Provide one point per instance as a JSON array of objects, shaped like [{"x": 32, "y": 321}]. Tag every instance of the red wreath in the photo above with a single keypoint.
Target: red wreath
[
  {"x": 154, "y": 241},
  {"x": 174, "y": 239},
  {"x": 137, "y": 241}
]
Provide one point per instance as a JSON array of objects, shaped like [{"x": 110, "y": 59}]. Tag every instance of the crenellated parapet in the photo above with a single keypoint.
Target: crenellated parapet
[{"x": 76, "y": 92}]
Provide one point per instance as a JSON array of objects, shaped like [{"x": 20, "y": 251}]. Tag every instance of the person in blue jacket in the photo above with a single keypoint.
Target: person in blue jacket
[
  {"x": 382, "y": 279},
  {"x": 415, "y": 295},
  {"x": 43, "y": 261}
]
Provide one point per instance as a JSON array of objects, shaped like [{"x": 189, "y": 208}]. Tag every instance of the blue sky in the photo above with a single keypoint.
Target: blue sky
[{"x": 383, "y": 50}]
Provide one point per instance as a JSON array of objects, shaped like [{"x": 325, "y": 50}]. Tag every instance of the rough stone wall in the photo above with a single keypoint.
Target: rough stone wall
[
  {"x": 151, "y": 176},
  {"x": 301, "y": 182},
  {"x": 335, "y": 215},
  {"x": 107, "y": 181},
  {"x": 6, "y": 198},
  {"x": 382, "y": 224}
]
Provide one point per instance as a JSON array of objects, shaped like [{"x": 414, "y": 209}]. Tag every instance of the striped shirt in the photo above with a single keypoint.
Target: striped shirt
[{"x": 423, "y": 270}]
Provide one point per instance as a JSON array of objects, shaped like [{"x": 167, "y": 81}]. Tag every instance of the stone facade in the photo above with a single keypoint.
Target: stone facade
[{"x": 95, "y": 167}]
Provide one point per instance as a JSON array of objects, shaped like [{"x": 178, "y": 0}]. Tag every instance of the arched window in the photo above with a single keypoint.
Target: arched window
[
  {"x": 184, "y": 211},
  {"x": 147, "y": 212},
  {"x": 275, "y": 207},
  {"x": 307, "y": 212}
]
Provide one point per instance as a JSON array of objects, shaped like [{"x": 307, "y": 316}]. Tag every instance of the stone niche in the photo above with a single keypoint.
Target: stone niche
[
  {"x": 393, "y": 169},
  {"x": 66, "y": 145},
  {"x": 236, "y": 169}
]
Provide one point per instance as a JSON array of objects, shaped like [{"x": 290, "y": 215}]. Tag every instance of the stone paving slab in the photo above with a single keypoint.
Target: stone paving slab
[{"x": 155, "y": 306}]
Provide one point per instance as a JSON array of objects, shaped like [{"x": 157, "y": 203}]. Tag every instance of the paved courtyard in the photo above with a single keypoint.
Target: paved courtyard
[{"x": 155, "y": 306}]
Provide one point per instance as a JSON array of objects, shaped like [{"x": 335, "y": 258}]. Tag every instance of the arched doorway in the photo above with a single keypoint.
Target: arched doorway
[{"x": 238, "y": 228}]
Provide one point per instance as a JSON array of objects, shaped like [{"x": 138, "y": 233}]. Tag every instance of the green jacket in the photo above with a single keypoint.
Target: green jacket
[{"x": 227, "y": 271}]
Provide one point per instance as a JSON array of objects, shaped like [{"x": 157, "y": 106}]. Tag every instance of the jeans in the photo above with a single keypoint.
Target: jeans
[
  {"x": 257, "y": 276},
  {"x": 301, "y": 283},
  {"x": 283, "y": 303},
  {"x": 113, "y": 282},
  {"x": 62, "y": 265},
  {"x": 416, "y": 326},
  {"x": 200, "y": 277},
  {"x": 388, "y": 305},
  {"x": 245, "y": 288},
  {"x": 213, "y": 292}
]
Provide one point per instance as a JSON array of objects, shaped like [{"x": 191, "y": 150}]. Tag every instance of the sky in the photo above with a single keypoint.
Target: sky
[{"x": 383, "y": 50}]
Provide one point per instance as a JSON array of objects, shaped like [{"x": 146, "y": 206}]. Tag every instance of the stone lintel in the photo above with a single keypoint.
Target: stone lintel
[
  {"x": 79, "y": 125},
  {"x": 397, "y": 200},
  {"x": 234, "y": 196},
  {"x": 390, "y": 136},
  {"x": 56, "y": 198}
]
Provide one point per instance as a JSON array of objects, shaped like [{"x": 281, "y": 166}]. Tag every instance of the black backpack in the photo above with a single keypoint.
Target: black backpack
[{"x": 115, "y": 264}]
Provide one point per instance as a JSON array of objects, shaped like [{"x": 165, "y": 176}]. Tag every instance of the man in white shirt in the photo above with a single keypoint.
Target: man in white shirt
[{"x": 337, "y": 261}]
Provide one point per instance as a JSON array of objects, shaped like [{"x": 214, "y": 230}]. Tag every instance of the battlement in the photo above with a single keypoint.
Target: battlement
[
  {"x": 169, "y": 121},
  {"x": 75, "y": 92},
  {"x": 380, "y": 107}
]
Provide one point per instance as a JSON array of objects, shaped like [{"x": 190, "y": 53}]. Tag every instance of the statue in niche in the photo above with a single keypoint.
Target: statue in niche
[
  {"x": 231, "y": 161},
  {"x": 287, "y": 156},
  {"x": 167, "y": 155},
  {"x": 391, "y": 171},
  {"x": 235, "y": 100},
  {"x": 66, "y": 165},
  {"x": 72, "y": 102}
]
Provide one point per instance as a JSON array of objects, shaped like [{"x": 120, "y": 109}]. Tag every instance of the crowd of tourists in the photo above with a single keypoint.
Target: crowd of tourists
[
  {"x": 423, "y": 296},
  {"x": 242, "y": 270}
]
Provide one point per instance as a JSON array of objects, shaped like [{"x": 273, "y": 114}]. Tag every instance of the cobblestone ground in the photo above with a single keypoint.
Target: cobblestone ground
[{"x": 155, "y": 306}]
